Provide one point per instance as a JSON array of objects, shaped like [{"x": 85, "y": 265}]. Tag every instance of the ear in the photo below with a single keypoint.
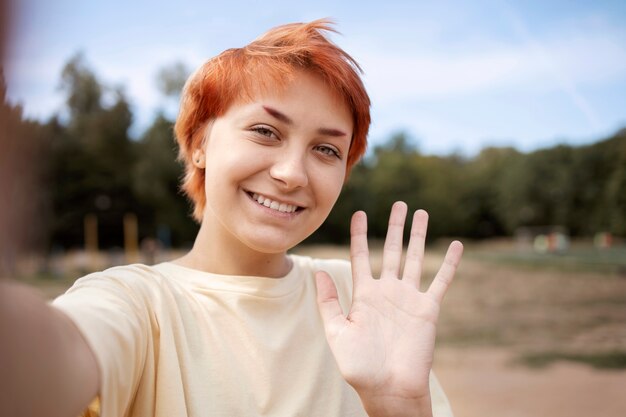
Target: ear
[{"x": 198, "y": 159}]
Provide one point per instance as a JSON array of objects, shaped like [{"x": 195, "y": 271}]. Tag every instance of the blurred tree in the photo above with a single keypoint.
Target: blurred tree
[
  {"x": 92, "y": 159},
  {"x": 483, "y": 199},
  {"x": 157, "y": 173},
  {"x": 396, "y": 171},
  {"x": 395, "y": 176},
  {"x": 493, "y": 194},
  {"x": 443, "y": 194},
  {"x": 156, "y": 179},
  {"x": 171, "y": 79},
  {"x": 616, "y": 195},
  {"x": 82, "y": 89},
  {"x": 599, "y": 175},
  {"x": 537, "y": 190}
]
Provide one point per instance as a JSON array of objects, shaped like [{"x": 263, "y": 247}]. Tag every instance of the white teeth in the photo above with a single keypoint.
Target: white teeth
[{"x": 274, "y": 205}]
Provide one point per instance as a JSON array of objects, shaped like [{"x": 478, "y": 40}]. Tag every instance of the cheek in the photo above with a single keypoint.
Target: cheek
[
  {"x": 329, "y": 187},
  {"x": 226, "y": 166}
]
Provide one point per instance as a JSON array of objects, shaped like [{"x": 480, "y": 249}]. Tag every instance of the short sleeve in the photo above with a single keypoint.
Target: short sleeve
[
  {"x": 110, "y": 310},
  {"x": 440, "y": 403}
]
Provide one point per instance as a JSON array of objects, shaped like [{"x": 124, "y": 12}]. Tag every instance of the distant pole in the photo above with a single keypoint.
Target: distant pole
[
  {"x": 131, "y": 244},
  {"x": 91, "y": 239}
]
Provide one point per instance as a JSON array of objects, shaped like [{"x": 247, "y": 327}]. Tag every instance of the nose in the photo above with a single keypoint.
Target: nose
[{"x": 289, "y": 169}]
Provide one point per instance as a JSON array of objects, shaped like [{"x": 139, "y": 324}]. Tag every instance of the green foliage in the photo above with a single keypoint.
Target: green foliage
[
  {"x": 94, "y": 167},
  {"x": 500, "y": 190},
  {"x": 92, "y": 159},
  {"x": 615, "y": 197},
  {"x": 605, "y": 165},
  {"x": 83, "y": 91},
  {"x": 156, "y": 178},
  {"x": 608, "y": 261},
  {"x": 544, "y": 189},
  {"x": 489, "y": 178},
  {"x": 601, "y": 360}
]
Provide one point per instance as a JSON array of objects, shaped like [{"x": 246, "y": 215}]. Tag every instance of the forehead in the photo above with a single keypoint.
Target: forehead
[{"x": 303, "y": 92}]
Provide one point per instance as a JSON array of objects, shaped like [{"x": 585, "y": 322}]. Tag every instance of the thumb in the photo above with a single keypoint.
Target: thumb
[{"x": 327, "y": 300}]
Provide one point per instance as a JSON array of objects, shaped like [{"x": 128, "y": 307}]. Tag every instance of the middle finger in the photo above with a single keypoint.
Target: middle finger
[
  {"x": 392, "y": 251},
  {"x": 415, "y": 252}
]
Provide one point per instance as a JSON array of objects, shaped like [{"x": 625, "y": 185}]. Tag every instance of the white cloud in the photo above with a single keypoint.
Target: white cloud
[{"x": 425, "y": 73}]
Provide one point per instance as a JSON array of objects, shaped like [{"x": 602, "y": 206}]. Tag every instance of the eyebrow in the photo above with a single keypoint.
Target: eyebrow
[{"x": 285, "y": 119}]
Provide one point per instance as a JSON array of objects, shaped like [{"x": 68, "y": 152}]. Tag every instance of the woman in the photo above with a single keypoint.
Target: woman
[{"x": 268, "y": 134}]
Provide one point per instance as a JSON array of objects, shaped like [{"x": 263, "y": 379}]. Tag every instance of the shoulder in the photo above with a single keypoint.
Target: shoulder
[
  {"x": 334, "y": 267},
  {"x": 134, "y": 283},
  {"x": 340, "y": 271},
  {"x": 125, "y": 273},
  {"x": 130, "y": 275}
]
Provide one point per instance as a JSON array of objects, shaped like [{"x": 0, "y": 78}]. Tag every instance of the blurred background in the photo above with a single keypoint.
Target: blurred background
[{"x": 504, "y": 119}]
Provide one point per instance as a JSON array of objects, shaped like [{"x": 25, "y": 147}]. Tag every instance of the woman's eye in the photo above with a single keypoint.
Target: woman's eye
[
  {"x": 327, "y": 150},
  {"x": 264, "y": 131}
]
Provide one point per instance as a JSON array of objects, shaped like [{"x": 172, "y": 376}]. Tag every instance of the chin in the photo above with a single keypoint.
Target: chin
[
  {"x": 273, "y": 243},
  {"x": 272, "y": 247}
]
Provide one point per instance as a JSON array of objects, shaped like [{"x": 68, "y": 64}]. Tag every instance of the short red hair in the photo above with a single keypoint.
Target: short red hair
[{"x": 268, "y": 61}]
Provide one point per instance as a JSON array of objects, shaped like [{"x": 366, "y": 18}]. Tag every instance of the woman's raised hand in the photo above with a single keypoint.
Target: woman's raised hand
[{"x": 384, "y": 346}]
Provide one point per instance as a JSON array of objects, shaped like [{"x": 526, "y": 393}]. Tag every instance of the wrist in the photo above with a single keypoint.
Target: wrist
[{"x": 383, "y": 406}]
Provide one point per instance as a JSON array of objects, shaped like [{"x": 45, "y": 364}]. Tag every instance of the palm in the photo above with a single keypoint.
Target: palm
[
  {"x": 384, "y": 347},
  {"x": 387, "y": 337}
]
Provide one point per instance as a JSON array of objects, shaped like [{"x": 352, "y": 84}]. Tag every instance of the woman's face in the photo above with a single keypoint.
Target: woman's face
[{"x": 275, "y": 166}]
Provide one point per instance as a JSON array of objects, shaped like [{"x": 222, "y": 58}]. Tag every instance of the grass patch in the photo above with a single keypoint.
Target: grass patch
[
  {"x": 599, "y": 360},
  {"x": 611, "y": 261}
]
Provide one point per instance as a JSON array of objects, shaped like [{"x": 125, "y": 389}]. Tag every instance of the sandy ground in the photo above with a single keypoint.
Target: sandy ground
[{"x": 484, "y": 383}]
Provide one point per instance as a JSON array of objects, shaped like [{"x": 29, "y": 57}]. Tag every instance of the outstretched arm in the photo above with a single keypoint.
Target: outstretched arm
[
  {"x": 384, "y": 346},
  {"x": 46, "y": 367}
]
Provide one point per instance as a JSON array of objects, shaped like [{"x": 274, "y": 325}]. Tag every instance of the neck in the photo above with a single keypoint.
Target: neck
[{"x": 227, "y": 257}]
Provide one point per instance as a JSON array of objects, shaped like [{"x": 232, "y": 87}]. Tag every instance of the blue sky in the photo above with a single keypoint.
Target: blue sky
[{"x": 456, "y": 76}]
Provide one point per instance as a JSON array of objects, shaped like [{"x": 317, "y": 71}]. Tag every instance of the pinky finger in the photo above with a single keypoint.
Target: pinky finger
[{"x": 443, "y": 279}]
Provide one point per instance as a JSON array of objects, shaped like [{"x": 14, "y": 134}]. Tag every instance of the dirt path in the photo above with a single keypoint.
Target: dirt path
[{"x": 484, "y": 383}]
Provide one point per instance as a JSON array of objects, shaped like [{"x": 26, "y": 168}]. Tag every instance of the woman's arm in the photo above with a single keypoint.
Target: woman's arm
[{"x": 46, "y": 366}]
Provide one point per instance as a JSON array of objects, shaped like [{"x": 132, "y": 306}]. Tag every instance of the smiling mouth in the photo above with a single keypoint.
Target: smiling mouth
[{"x": 273, "y": 204}]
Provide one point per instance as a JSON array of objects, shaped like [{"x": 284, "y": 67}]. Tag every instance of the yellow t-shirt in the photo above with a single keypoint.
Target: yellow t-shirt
[{"x": 173, "y": 341}]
